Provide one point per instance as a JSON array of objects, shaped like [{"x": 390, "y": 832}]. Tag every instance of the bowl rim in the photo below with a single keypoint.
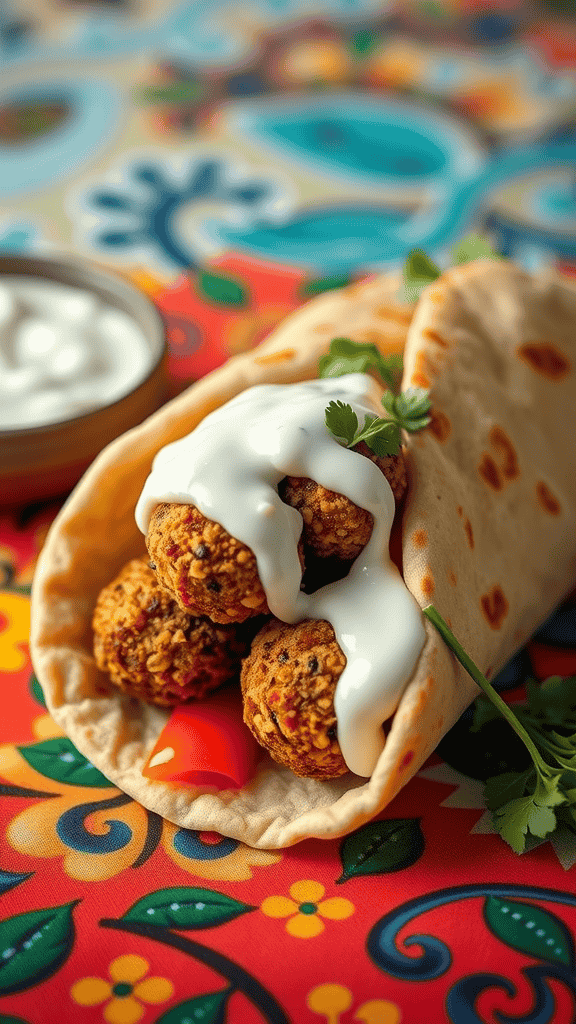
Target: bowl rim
[{"x": 108, "y": 284}]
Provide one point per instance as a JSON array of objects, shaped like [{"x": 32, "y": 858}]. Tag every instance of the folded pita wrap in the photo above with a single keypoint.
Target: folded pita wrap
[{"x": 488, "y": 532}]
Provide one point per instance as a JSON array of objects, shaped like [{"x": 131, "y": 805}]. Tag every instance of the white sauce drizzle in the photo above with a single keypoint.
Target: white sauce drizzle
[
  {"x": 63, "y": 352},
  {"x": 230, "y": 467}
]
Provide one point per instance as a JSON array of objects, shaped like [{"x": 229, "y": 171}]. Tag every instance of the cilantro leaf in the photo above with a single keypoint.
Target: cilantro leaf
[
  {"x": 473, "y": 247},
  {"x": 410, "y": 410},
  {"x": 347, "y": 356},
  {"x": 521, "y": 816},
  {"x": 419, "y": 270},
  {"x": 382, "y": 436},
  {"x": 341, "y": 421},
  {"x": 530, "y": 805}
]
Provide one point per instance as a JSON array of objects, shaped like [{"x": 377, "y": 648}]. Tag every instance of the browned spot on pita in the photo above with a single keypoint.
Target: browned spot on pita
[
  {"x": 323, "y": 328},
  {"x": 282, "y": 356},
  {"x": 402, "y": 316},
  {"x": 435, "y": 295},
  {"x": 407, "y": 759},
  {"x": 509, "y": 460},
  {"x": 459, "y": 510},
  {"x": 549, "y": 503},
  {"x": 489, "y": 472},
  {"x": 421, "y": 363},
  {"x": 427, "y": 584},
  {"x": 545, "y": 359},
  {"x": 378, "y": 338},
  {"x": 439, "y": 425},
  {"x": 453, "y": 578},
  {"x": 434, "y": 336},
  {"x": 420, "y": 538},
  {"x": 494, "y": 606},
  {"x": 469, "y": 533}
]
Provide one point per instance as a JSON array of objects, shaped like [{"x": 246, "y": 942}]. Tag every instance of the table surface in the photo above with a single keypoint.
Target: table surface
[{"x": 107, "y": 912}]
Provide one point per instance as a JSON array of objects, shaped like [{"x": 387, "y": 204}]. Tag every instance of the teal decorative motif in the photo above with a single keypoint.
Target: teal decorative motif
[
  {"x": 141, "y": 214},
  {"x": 58, "y": 759},
  {"x": 34, "y": 945},
  {"x": 186, "y": 908},
  {"x": 10, "y": 879},
  {"x": 381, "y": 847}
]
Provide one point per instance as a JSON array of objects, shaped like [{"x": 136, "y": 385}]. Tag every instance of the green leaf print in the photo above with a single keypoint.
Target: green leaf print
[
  {"x": 529, "y": 929},
  {"x": 381, "y": 847},
  {"x": 223, "y": 291},
  {"x": 206, "y": 1009},
  {"x": 34, "y": 945},
  {"x": 187, "y": 908},
  {"x": 323, "y": 284},
  {"x": 58, "y": 759},
  {"x": 36, "y": 690}
]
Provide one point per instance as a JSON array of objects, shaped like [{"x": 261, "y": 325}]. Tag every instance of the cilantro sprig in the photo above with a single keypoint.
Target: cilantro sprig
[
  {"x": 419, "y": 270},
  {"x": 534, "y": 802},
  {"x": 347, "y": 356},
  {"x": 407, "y": 411}
]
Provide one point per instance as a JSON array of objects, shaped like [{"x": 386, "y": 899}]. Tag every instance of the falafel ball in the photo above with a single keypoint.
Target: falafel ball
[
  {"x": 288, "y": 682},
  {"x": 153, "y": 650},
  {"x": 334, "y": 527},
  {"x": 206, "y": 570}
]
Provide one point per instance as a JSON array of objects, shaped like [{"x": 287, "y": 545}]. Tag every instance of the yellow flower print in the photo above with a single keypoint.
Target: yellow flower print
[
  {"x": 45, "y": 728},
  {"x": 306, "y": 908},
  {"x": 96, "y": 830},
  {"x": 331, "y": 1000},
  {"x": 14, "y": 631},
  {"x": 213, "y": 856},
  {"x": 123, "y": 993}
]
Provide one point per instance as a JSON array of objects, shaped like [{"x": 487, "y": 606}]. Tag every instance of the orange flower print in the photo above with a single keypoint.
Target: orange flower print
[
  {"x": 125, "y": 993},
  {"x": 332, "y": 1000},
  {"x": 306, "y": 908},
  {"x": 14, "y": 631}
]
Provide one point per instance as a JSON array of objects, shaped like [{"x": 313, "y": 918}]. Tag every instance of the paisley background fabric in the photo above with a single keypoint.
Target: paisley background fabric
[{"x": 233, "y": 162}]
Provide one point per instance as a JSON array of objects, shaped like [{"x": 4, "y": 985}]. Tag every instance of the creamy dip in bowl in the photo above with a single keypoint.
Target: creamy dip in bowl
[{"x": 82, "y": 359}]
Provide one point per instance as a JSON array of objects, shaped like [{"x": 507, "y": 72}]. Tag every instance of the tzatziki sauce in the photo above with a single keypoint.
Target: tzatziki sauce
[
  {"x": 63, "y": 352},
  {"x": 230, "y": 466}
]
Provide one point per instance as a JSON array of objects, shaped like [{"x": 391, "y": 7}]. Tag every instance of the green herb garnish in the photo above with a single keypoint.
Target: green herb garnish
[
  {"x": 347, "y": 356},
  {"x": 410, "y": 409},
  {"x": 534, "y": 802},
  {"x": 473, "y": 247},
  {"x": 407, "y": 411},
  {"x": 381, "y": 436},
  {"x": 418, "y": 272}
]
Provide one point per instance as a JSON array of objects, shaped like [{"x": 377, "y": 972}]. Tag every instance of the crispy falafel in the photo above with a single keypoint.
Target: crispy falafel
[
  {"x": 288, "y": 682},
  {"x": 153, "y": 650}
]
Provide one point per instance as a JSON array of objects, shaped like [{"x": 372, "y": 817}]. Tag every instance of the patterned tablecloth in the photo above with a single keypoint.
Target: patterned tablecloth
[{"x": 235, "y": 160}]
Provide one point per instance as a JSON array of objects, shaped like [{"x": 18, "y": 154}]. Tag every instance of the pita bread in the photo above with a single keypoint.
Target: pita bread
[{"x": 488, "y": 532}]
